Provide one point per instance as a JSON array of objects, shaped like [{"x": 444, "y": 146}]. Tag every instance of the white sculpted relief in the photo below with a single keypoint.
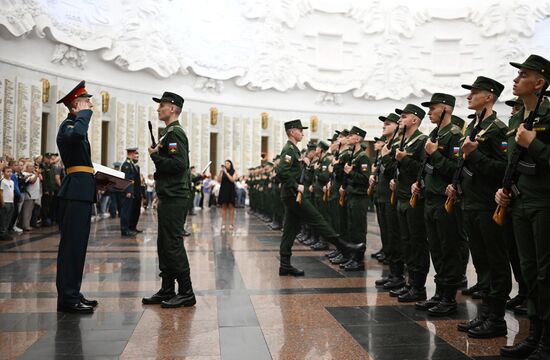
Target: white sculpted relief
[{"x": 274, "y": 44}]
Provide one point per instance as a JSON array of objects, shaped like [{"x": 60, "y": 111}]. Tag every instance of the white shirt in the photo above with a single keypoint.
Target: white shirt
[
  {"x": 7, "y": 187},
  {"x": 32, "y": 191},
  {"x": 150, "y": 185}
]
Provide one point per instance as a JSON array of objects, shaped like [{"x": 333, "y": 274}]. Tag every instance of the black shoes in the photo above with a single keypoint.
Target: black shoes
[
  {"x": 285, "y": 268},
  {"x": 78, "y": 308},
  {"x": 320, "y": 246},
  {"x": 129, "y": 233},
  {"x": 469, "y": 291},
  {"x": 383, "y": 280},
  {"x": 92, "y": 303},
  {"x": 413, "y": 295},
  {"x": 354, "y": 265},
  {"x": 490, "y": 328},
  {"x": 395, "y": 283},
  {"x": 186, "y": 300},
  {"x": 398, "y": 292},
  {"x": 526, "y": 347},
  {"x": 428, "y": 304},
  {"x": 447, "y": 306},
  {"x": 166, "y": 292},
  {"x": 480, "y": 294}
]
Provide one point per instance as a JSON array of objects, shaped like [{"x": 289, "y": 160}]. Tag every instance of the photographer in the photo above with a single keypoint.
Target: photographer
[{"x": 31, "y": 193}]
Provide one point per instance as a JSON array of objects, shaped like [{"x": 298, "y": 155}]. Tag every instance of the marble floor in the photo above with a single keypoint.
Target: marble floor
[{"x": 244, "y": 309}]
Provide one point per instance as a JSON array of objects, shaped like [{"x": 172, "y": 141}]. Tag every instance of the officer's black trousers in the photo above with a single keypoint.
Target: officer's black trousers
[
  {"x": 125, "y": 212},
  {"x": 135, "y": 212},
  {"x": 74, "y": 226}
]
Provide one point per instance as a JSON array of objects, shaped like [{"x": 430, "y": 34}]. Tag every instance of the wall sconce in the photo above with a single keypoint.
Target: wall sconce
[
  {"x": 264, "y": 120},
  {"x": 45, "y": 91},
  {"x": 213, "y": 115},
  {"x": 313, "y": 123},
  {"x": 104, "y": 101}
]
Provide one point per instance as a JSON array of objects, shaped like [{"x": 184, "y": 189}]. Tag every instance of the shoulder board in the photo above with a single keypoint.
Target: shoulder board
[{"x": 455, "y": 131}]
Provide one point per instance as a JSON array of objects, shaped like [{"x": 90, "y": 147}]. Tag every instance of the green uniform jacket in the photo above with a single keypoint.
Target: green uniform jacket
[
  {"x": 484, "y": 167},
  {"x": 443, "y": 161},
  {"x": 172, "y": 163},
  {"x": 534, "y": 189},
  {"x": 322, "y": 175},
  {"x": 410, "y": 165},
  {"x": 359, "y": 176},
  {"x": 290, "y": 169},
  {"x": 388, "y": 165}
]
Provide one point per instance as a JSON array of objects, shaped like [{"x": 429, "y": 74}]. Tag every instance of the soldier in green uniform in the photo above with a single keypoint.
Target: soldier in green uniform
[
  {"x": 297, "y": 213},
  {"x": 484, "y": 165},
  {"x": 321, "y": 177},
  {"x": 379, "y": 142},
  {"x": 441, "y": 227},
  {"x": 171, "y": 158},
  {"x": 355, "y": 187},
  {"x": 412, "y": 229},
  {"x": 48, "y": 191},
  {"x": 519, "y": 302},
  {"x": 276, "y": 197},
  {"x": 332, "y": 199},
  {"x": 530, "y": 204},
  {"x": 311, "y": 237},
  {"x": 393, "y": 248}
]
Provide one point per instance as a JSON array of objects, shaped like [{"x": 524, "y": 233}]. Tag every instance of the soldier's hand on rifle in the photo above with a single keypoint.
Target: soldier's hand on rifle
[
  {"x": 469, "y": 146},
  {"x": 325, "y": 189},
  {"x": 341, "y": 191},
  {"x": 392, "y": 185},
  {"x": 400, "y": 155},
  {"x": 372, "y": 180},
  {"x": 450, "y": 191},
  {"x": 330, "y": 168},
  {"x": 415, "y": 189},
  {"x": 431, "y": 147},
  {"x": 335, "y": 161},
  {"x": 305, "y": 160},
  {"x": 316, "y": 166},
  {"x": 347, "y": 168},
  {"x": 502, "y": 198},
  {"x": 153, "y": 149},
  {"x": 329, "y": 186},
  {"x": 525, "y": 137},
  {"x": 310, "y": 188},
  {"x": 385, "y": 151}
]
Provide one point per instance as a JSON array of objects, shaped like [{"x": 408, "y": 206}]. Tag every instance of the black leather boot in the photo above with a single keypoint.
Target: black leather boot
[
  {"x": 166, "y": 292},
  {"x": 515, "y": 301},
  {"x": 417, "y": 292},
  {"x": 312, "y": 240},
  {"x": 527, "y": 346},
  {"x": 286, "y": 268},
  {"x": 185, "y": 296},
  {"x": 482, "y": 315},
  {"x": 472, "y": 289},
  {"x": 431, "y": 302},
  {"x": 333, "y": 254},
  {"x": 355, "y": 265},
  {"x": 383, "y": 280},
  {"x": 349, "y": 250},
  {"x": 543, "y": 349},
  {"x": 447, "y": 306},
  {"x": 320, "y": 245},
  {"x": 340, "y": 259},
  {"x": 494, "y": 325},
  {"x": 398, "y": 292},
  {"x": 396, "y": 280}
]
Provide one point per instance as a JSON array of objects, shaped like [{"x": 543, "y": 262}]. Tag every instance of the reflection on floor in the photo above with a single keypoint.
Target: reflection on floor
[{"x": 244, "y": 309}]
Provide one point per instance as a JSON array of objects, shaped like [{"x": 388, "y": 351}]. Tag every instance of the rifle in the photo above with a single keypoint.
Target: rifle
[
  {"x": 333, "y": 177},
  {"x": 302, "y": 175},
  {"x": 342, "y": 199},
  {"x": 154, "y": 143},
  {"x": 401, "y": 148},
  {"x": 420, "y": 177},
  {"x": 457, "y": 177},
  {"x": 508, "y": 183},
  {"x": 370, "y": 191}
]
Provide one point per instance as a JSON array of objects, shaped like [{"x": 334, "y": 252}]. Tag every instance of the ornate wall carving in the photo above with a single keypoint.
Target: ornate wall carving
[
  {"x": 120, "y": 137},
  {"x": 35, "y": 130},
  {"x": 94, "y": 130},
  {"x": 362, "y": 52},
  {"x": 22, "y": 120},
  {"x": 9, "y": 117}
]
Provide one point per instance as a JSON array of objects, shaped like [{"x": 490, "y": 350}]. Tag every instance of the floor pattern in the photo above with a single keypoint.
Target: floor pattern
[{"x": 244, "y": 309}]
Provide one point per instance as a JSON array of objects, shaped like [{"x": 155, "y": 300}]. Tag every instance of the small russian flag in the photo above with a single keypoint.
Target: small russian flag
[
  {"x": 456, "y": 149},
  {"x": 172, "y": 145},
  {"x": 504, "y": 146}
]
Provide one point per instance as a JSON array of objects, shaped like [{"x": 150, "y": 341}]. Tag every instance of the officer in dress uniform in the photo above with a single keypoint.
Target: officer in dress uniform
[
  {"x": 76, "y": 197},
  {"x": 297, "y": 213},
  {"x": 131, "y": 193},
  {"x": 171, "y": 158}
]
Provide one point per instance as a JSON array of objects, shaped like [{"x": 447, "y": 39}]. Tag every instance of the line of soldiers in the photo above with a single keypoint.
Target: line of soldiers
[{"x": 441, "y": 196}]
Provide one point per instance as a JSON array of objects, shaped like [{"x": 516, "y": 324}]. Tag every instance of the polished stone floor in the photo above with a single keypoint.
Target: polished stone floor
[{"x": 244, "y": 309}]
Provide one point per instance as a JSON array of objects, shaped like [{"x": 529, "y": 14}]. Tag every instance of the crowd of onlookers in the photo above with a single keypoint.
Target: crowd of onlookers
[{"x": 28, "y": 194}]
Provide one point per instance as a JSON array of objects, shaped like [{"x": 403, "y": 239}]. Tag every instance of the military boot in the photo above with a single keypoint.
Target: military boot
[
  {"x": 494, "y": 325},
  {"x": 397, "y": 280},
  {"x": 185, "y": 296},
  {"x": 482, "y": 315},
  {"x": 166, "y": 292},
  {"x": 286, "y": 268},
  {"x": 447, "y": 306},
  {"x": 417, "y": 292},
  {"x": 527, "y": 346},
  {"x": 431, "y": 302},
  {"x": 543, "y": 349}
]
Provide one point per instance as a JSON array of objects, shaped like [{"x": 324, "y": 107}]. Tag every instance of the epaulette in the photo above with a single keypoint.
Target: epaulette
[
  {"x": 500, "y": 124},
  {"x": 455, "y": 131}
]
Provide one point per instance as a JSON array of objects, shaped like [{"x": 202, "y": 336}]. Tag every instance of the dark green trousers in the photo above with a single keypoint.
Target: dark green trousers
[
  {"x": 491, "y": 253},
  {"x": 171, "y": 251},
  {"x": 531, "y": 232},
  {"x": 442, "y": 231},
  {"x": 396, "y": 251},
  {"x": 322, "y": 206},
  {"x": 297, "y": 215},
  {"x": 382, "y": 224},
  {"x": 412, "y": 237},
  {"x": 464, "y": 246},
  {"x": 357, "y": 206}
]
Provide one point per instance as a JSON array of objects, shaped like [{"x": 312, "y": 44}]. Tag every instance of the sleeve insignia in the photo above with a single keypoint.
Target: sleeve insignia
[
  {"x": 288, "y": 158},
  {"x": 172, "y": 147}
]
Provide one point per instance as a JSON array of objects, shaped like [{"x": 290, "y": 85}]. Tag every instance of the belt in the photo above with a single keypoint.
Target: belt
[{"x": 84, "y": 169}]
